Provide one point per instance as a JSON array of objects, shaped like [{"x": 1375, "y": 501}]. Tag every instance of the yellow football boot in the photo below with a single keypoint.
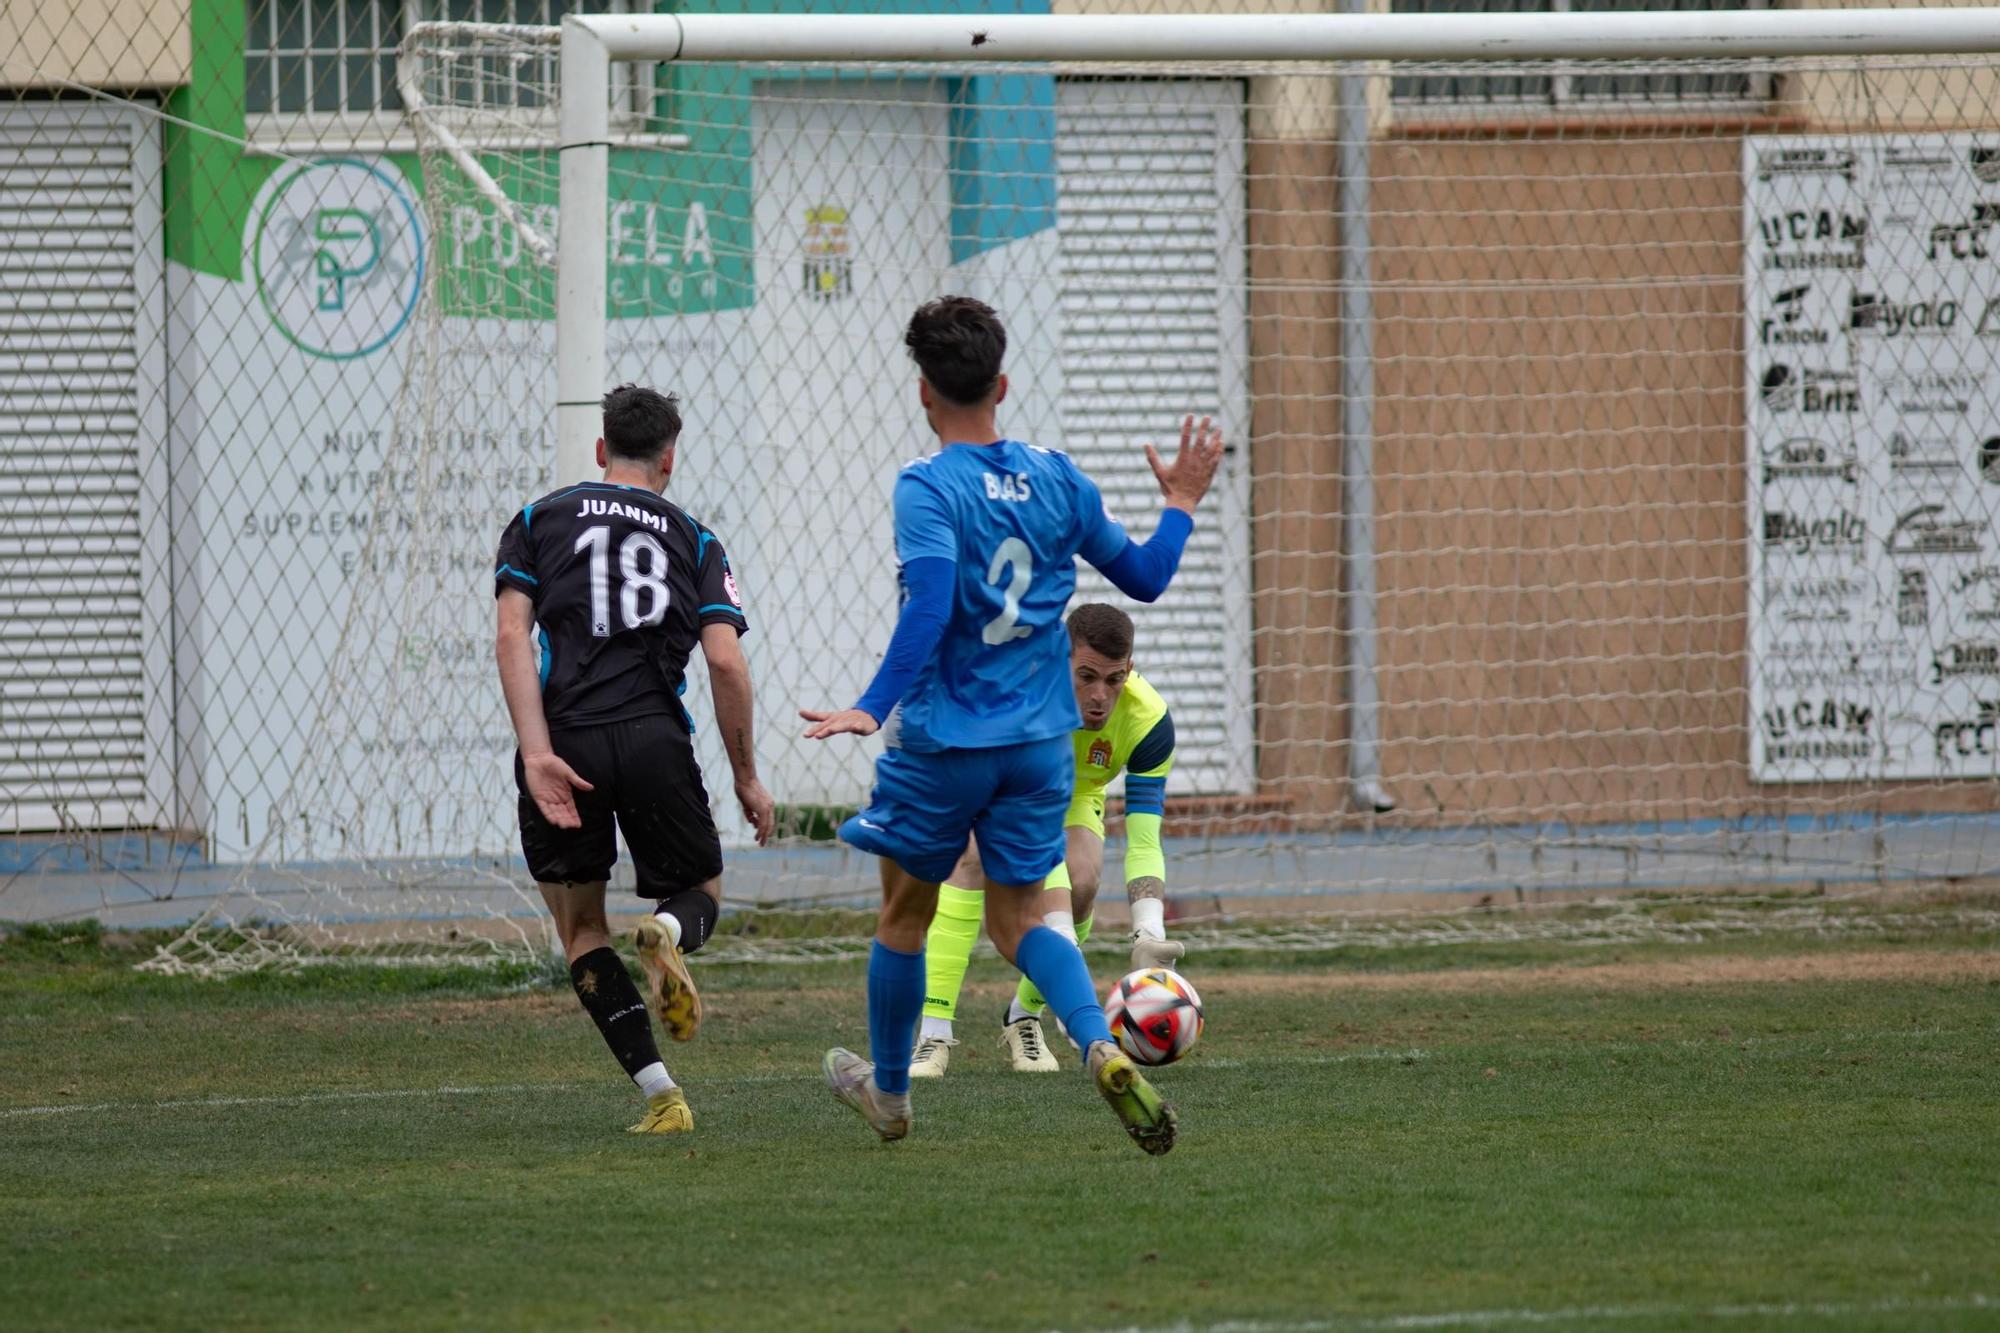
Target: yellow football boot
[
  {"x": 667, "y": 1113},
  {"x": 676, "y": 1003},
  {"x": 1148, "y": 1118}
]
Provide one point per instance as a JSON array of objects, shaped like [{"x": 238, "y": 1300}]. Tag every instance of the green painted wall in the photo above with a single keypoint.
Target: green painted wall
[{"x": 209, "y": 182}]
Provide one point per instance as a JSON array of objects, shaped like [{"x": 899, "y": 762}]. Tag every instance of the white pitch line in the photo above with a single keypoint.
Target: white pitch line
[
  {"x": 1582, "y": 1314},
  {"x": 491, "y": 1089},
  {"x": 287, "y": 1099},
  {"x": 359, "y": 1095}
]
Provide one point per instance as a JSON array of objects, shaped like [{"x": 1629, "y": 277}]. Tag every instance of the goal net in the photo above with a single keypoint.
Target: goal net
[{"x": 1613, "y": 500}]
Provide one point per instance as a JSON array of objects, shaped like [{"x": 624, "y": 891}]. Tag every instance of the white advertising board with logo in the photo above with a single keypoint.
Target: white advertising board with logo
[
  {"x": 1872, "y": 337},
  {"x": 337, "y": 616},
  {"x": 344, "y": 526}
]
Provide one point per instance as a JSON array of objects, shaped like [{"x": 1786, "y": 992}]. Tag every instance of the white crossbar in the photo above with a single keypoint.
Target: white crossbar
[{"x": 1673, "y": 35}]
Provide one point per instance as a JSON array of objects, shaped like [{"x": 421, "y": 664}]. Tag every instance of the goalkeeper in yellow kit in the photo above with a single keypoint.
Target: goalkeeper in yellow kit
[{"x": 1126, "y": 727}]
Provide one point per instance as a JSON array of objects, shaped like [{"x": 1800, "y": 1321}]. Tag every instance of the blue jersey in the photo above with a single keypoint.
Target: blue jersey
[{"x": 1013, "y": 518}]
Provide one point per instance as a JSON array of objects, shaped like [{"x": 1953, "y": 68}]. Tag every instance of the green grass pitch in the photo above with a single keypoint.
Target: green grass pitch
[{"x": 1762, "y": 1133}]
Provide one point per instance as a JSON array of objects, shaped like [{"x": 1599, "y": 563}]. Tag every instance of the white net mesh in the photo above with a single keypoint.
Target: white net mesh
[{"x": 1676, "y": 377}]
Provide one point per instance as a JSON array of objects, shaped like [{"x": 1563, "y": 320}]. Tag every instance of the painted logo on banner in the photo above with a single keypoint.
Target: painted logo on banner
[
  {"x": 829, "y": 261},
  {"x": 338, "y": 257}
]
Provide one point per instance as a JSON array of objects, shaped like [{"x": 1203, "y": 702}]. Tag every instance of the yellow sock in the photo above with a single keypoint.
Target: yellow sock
[
  {"x": 948, "y": 948},
  {"x": 1026, "y": 997}
]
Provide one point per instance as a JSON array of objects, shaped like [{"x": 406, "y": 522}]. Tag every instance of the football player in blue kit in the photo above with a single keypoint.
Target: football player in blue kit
[{"x": 974, "y": 701}]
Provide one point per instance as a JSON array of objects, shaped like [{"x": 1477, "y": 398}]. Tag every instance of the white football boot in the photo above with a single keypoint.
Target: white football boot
[
  {"x": 1026, "y": 1047},
  {"x": 932, "y": 1058}
]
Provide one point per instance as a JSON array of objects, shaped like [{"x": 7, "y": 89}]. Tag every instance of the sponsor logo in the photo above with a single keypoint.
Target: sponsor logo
[
  {"x": 1812, "y": 666},
  {"x": 829, "y": 260},
  {"x": 1816, "y": 613},
  {"x": 1782, "y": 328},
  {"x": 1959, "y": 660},
  {"x": 1822, "y": 727},
  {"x": 1869, "y": 313},
  {"x": 1933, "y": 393},
  {"x": 1985, "y": 165},
  {"x": 1920, "y": 531},
  {"x": 1776, "y": 162},
  {"x": 1978, "y": 590},
  {"x": 1811, "y": 224},
  {"x": 1806, "y": 459},
  {"x": 1968, "y": 737},
  {"x": 1787, "y": 388},
  {"x": 1970, "y": 239},
  {"x": 1814, "y": 601},
  {"x": 1913, "y": 598},
  {"x": 1833, "y": 588},
  {"x": 1839, "y": 532},
  {"x": 1915, "y": 167},
  {"x": 338, "y": 257},
  {"x": 1914, "y": 461},
  {"x": 1812, "y": 239}
]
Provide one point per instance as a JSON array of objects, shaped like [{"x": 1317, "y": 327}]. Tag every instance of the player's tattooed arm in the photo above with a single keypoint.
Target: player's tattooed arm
[
  {"x": 735, "y": 707},
  {"x": 1145, "y": 886},
  {"x": 552, "y": 783}
]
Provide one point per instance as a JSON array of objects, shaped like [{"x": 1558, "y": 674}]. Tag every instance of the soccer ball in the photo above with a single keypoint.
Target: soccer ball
[{"x": 1155, "y": 1015}]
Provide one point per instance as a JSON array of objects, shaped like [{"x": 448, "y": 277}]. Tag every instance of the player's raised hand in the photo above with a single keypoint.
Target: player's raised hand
[
  {"x": 758, "y": 807},
  {"x": 1184, "y": 481},
  {"x": 554, "y": 785},
  {"x": 846, "y": 722}
]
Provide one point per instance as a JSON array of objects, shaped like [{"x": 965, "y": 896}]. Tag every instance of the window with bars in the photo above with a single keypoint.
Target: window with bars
[
  {"x": 337, "y": 58},
  {"x": 328, "y": 57},
  {"x": 1581, "y": 87}
]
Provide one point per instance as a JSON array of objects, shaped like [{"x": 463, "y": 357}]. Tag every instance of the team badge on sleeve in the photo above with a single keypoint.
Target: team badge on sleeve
[{"x": 729, "y": 586}]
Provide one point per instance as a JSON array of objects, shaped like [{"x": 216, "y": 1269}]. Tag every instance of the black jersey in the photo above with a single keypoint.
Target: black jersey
[{"x": 622, "y": 582}]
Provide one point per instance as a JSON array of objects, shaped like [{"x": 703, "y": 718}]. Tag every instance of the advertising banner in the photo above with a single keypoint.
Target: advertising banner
[{"x": 1872, "y": 327}]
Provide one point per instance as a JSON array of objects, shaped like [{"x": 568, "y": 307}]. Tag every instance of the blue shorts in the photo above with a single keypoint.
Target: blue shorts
[{"x": 1012, "y": 796}]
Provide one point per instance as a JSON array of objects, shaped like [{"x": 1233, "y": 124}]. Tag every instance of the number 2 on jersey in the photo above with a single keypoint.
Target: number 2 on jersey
[
  {"x": 638, "y": 549},
  {"x": 1011, "y": 554}
]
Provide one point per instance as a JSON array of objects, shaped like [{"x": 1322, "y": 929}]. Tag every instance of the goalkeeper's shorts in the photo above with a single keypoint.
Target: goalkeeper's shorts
[
  {"x": 1086, "y": 810},
  {"x": 645, "y": 784}
]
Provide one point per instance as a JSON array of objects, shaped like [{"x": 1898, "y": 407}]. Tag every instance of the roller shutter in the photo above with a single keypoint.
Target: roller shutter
[
  {"x": 83, "y": 592},
  {"x": 1152, "y": 245}
]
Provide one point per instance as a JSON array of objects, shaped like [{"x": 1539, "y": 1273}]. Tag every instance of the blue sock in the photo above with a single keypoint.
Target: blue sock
[
  {"x": 1057, "y": 968},
  {"x": 895, "y": 1003}
]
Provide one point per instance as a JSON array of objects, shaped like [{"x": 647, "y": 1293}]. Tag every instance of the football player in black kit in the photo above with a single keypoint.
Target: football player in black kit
[{"x": 604, "y": 588}]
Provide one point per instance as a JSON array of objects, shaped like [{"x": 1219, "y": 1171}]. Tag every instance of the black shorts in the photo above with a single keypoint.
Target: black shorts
[{"x": 645, "y": 778}]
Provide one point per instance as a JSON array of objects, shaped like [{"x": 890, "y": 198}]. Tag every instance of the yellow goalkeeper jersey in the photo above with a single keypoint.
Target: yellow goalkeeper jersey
[{"x": 1137, "y": 740}]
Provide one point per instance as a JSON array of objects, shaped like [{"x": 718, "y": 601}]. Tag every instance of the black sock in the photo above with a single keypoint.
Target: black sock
[
  {"x": 613, "y": 1003},
  {"x": 696, "y": 912}
]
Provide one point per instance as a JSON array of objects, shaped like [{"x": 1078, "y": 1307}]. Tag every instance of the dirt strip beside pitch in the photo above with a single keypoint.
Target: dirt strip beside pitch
[{"x": 1902, "y": 965}]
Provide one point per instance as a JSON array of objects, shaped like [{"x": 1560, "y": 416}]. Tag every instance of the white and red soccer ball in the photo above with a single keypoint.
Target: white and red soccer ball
[{"x": 1155, "y": 1015}]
